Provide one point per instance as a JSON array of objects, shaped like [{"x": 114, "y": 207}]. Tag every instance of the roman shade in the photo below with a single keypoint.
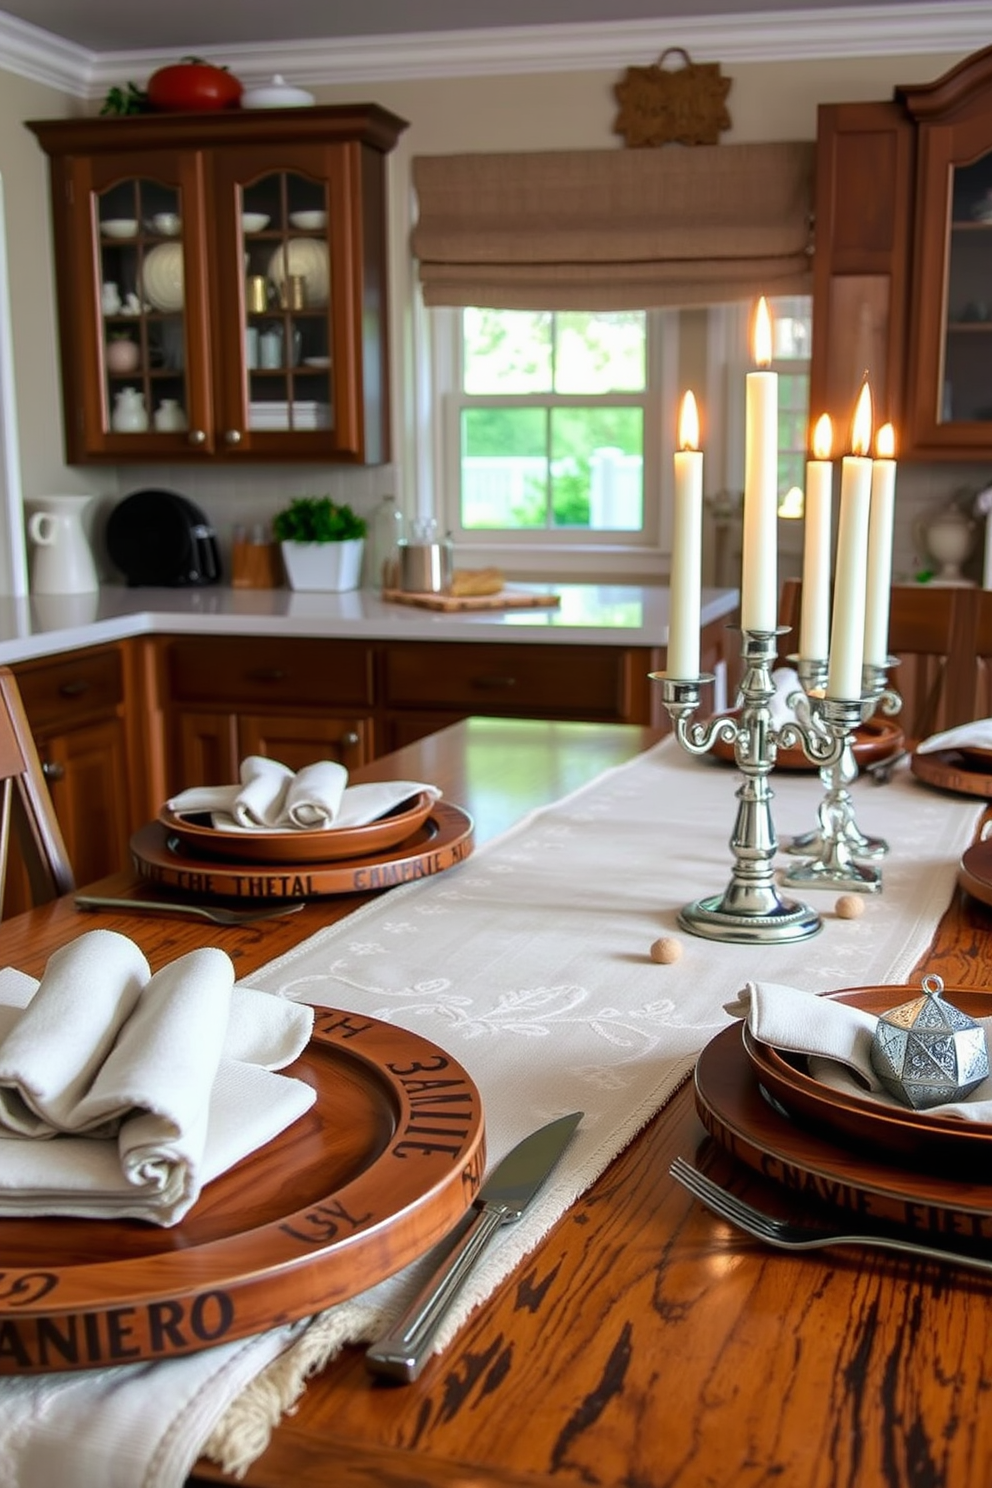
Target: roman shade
[{"x": 615, "y": 229}]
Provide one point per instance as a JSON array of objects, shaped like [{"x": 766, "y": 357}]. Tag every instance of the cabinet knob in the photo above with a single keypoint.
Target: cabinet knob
[
  {"x": 52, "y": 770},
  {"x": 197, "y": 436},
  {"x": 232, "y": 436},
  {"x": 349, "y": 740}
]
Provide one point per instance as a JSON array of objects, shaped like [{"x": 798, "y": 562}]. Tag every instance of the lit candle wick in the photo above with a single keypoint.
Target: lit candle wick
[
  {"x": 689, "y": 423},
  {"x": 823, "y": 438}
]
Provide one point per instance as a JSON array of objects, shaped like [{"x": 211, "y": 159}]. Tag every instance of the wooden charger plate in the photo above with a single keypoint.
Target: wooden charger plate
[
  {"x": 898, "y": 1132},
  {"x": 953, "y": 770},
  {"x": 366, "y": 1181},
  {"x": 874, "y": 740},
  {"x": 810, "y": 1165},
  {"x": 975, "y": 871},
  {"x": 443, "y": 839},
  {"x": 325, "y": 845}
]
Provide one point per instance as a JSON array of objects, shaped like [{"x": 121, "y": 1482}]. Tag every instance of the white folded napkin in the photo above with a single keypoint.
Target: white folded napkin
[
  {"x": 976, "y": 735},
  {"x": 837, "y": 1039},
  {"x": 271, "y": 798},
  {"x": 787, "y": 682},
  {"x": 122, "y": 1093}
]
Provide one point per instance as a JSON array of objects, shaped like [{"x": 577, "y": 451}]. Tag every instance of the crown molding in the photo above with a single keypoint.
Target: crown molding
[{"x": 956, "y": 26}]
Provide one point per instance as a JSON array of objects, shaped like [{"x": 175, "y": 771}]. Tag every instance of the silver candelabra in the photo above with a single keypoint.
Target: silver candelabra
[
  {"x": 751, "y": 908},
  {"x": 838, "y": 854}
]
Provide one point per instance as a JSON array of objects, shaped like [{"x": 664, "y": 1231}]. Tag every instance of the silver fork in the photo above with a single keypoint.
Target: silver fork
[
  {"x": 788, "y": 1236},
  {"x": 216, "y": 913}
]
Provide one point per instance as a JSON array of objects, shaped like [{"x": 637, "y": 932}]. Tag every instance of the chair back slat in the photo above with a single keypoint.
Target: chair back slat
[{"x": 32, "y": 822}]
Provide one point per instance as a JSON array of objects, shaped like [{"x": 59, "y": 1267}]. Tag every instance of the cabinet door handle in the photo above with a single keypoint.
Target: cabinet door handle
[
  {"x": 494, "y": 683},
  {"x": 349, "y": 740},
  {"x": 74, "y": 689},
  {"x": 232, "y": 436},
  {"x": 268, "y": 674},
  {"x": 197, "y": 436},
  {"x": 52, "y": 770}
]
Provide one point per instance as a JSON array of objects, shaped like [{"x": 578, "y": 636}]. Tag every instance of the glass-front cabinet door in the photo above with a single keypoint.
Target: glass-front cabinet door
[
  {"x": 295, "y": 293},
  {"x": 950, "y": 367},
  {"x": 138, "y": 243}
]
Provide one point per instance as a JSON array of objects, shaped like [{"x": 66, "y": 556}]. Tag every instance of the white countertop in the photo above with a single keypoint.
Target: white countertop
[{"x": 591, "y": 614}]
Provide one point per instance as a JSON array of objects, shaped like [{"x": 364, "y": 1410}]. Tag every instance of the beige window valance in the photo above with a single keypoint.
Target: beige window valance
[{"x": 615, "y": 229}]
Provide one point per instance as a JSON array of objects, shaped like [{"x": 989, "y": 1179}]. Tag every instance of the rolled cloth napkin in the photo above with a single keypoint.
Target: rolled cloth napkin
[
  {"x": 976, "y": 735},
  {"x": 837, "y": 1039},
  {"x": 787, "y": 682},
  {"x": 272, "y": 798},
  {"x": 123, "y": 1093}
]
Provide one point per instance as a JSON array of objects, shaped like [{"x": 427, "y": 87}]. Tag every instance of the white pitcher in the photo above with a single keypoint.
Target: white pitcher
[{"x": 62, "y": 562}]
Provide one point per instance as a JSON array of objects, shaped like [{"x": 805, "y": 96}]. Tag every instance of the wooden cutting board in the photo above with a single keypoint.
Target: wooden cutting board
[{"x": 506, "y": 599}]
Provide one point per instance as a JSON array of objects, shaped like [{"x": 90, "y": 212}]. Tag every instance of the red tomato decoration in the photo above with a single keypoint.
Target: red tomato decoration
[{"x": 193, "y": 87}]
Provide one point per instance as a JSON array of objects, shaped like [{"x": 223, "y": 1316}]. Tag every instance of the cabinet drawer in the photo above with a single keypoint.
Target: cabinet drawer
[
  {"x": 588, "y": 681},
  {"x": 81, "y": 685},
  {"x": 276, "y": 670}
]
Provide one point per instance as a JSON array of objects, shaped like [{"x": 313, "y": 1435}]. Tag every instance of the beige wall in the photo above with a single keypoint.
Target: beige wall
[{"x": 540, "y": 111}]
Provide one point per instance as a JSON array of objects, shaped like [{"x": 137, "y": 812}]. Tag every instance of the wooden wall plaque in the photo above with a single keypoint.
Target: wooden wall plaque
[{"x": 660, "y": 105}]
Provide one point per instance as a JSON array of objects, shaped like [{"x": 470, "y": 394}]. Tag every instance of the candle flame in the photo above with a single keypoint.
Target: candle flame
[
  {"x": 762, "y": 334},
  {"x": 689, "y": 423},
  {"x": 885, "y": 442},
  {"x": 823, "y": 437},
  {"x": 861, "y": 429}
]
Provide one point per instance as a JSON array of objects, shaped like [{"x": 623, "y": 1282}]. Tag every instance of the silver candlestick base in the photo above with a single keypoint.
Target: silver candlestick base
[
  {"x": 833, "y": 851},
  {"x": 751, "y": 909}
]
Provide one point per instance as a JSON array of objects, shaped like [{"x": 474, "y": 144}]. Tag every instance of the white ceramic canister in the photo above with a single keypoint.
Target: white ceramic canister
[
  {"x": 62, "y": 561},
  {"x": 169, "y": 415},
  {"x": 130, "y": 415}
]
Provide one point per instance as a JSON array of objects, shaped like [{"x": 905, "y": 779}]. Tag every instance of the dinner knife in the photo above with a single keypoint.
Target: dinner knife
[{"x": 404, "y": 1349}]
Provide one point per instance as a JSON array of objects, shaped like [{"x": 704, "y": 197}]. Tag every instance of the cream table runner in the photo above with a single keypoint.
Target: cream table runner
[{"x": 530, "y": 964}]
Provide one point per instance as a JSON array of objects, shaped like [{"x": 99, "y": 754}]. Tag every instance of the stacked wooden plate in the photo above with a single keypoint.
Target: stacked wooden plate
[
  {"x": 966, "y": 771},
  {"x": 421, "y": 837},
  {"x": 920, "y": 1170}
]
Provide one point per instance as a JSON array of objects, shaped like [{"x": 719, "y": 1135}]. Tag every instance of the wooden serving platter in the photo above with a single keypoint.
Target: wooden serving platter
[
  {"x": 442, "y": 840},
  {"x": 809, "y": 1166},
  {"x": 507, "y": 599},
  {"x": 380, "y": 1168}
]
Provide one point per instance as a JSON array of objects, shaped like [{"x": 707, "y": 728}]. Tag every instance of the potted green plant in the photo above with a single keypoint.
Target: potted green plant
[{"x": 322, "y": 543}]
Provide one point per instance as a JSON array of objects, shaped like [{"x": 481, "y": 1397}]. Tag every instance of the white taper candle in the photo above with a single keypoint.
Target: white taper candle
[
  {"x": 814, "y": 633},
  {"x": 880, "y": 524},
  {"x": 759, "y": 569},
  {"x": 687, "y": 549},
  {"x": 847, "y": 632}
]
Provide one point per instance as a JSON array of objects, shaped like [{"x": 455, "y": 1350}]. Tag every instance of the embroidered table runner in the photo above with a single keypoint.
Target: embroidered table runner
[{"x": 530, "y": 964}]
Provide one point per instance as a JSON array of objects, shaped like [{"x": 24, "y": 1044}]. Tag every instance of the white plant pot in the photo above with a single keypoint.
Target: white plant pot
[{"x": 332, "y": 566}]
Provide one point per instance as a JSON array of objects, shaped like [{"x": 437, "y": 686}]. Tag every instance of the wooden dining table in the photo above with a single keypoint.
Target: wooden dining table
[{"x": 644, "y": 1342}]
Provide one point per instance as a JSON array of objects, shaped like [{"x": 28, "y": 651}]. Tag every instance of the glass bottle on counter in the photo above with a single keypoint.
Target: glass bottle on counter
[{"x": 387, "y": 532}]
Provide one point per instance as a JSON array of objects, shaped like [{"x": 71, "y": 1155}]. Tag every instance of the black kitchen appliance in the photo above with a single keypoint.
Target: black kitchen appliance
[{"x": 161, "y": 538}]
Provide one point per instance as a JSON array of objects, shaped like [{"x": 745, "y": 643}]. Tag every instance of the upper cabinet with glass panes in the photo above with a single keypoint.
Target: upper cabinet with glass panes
[
  {"x": 222, "y": 289},
  {"x": 903, "y": 262}
]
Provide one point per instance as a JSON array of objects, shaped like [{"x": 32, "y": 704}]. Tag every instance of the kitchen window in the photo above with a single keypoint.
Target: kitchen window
[{"x": 556, "y": 428}]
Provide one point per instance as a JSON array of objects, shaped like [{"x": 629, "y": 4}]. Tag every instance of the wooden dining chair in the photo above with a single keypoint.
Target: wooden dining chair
[
  {"x": 931, "y": 633},
  {"x": 27, "y": 816}
]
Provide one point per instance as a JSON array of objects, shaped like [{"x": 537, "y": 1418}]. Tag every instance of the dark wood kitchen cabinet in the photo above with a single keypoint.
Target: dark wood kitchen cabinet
[
  {"x": 222, "y": 284},
  {"x": 865, "y": 161},
  {"x": 76, "y": 706},
  {"x": 295, "y": 700},
  {"x": 949, "y": 402},
  {"x": 902, "y": 269}
]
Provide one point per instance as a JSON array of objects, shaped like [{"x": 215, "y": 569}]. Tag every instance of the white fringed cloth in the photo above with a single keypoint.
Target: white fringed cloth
[{"x": 530, "y": 964}]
